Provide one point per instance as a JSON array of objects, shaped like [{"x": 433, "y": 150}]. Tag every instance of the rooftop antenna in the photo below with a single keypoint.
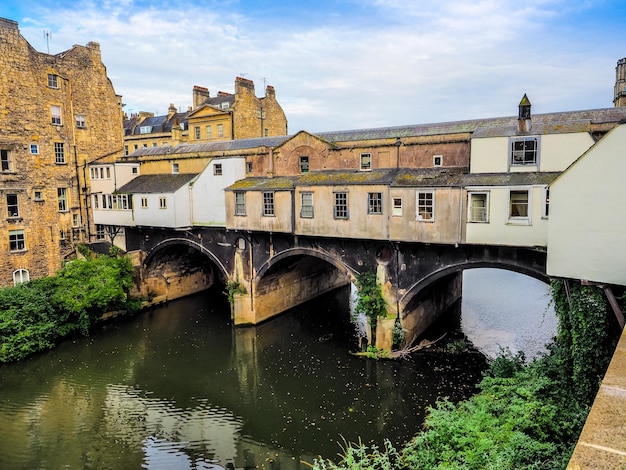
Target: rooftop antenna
[{"x": 47, "y": 34}]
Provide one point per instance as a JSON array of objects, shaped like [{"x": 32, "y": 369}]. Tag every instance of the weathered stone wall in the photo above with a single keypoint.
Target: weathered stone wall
[{"x": 82, "y": 88}]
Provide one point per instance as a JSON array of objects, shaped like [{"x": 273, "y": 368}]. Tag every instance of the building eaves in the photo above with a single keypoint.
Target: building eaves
[
  {"x": 346, "y": 177},
  {"x": 509, "y": 179},
  {"x": 429, "y": 177},
  {"x": 154, "y": 184}
]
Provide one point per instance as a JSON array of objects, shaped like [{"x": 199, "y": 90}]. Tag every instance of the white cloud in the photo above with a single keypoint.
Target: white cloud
[{"x": 407, "y": 62}]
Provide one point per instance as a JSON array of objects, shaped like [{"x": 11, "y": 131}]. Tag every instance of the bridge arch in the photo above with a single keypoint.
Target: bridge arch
[
  {"x": 303, "y": 251},
  {"x": 414, "y": 290},
  {"x": 171, "y": 242}
]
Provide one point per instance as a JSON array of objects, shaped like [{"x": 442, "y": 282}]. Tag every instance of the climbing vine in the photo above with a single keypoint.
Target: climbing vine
[{"x": 370, "y": 299}]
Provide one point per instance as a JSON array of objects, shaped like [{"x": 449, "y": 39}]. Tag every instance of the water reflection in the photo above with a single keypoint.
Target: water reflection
[
  {"x": 178, "y": 387},
  {"x": 504, "y": 309}
]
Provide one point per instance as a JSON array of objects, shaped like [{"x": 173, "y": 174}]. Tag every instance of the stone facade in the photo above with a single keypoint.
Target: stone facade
[
  {"x": 226, "y": 116},
  {"x": 59, "y": 112}
]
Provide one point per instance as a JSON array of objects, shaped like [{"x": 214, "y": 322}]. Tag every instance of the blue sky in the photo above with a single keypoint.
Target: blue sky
[{"x": 348, "y": 64}]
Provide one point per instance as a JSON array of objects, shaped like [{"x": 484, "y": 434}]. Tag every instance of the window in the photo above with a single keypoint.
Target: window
[
  {"x": 175, "y": 168},
  {"x": 396, "y": 210},
  {"x": 16, "y": 240},
  {"x": 341, "y": 206},
  {"x": 100, "y": 231},
  {"x": 304, "y": 164},
  {"x": 224, "y": 105},
  {"x": 59, "y": 152},
  {"x": 135, "y": 170},
  {"x": 162, "y": 203},
  {"x": 38, "y": 196},
  {"x": 220, "y": 130},
  {"x": 62, "y": 199},
  {"x": 197, "y": 132},
  {"x": 6, "y": 159},
  {"x": 426, "y": 206},
  {"x": 12, "y": 205},
  {"x": 120, "y": 202},
  {"x": 266, "y": 132},
  {"x": 55, "y": 111},
  {"x": 306, "y": 209},
  {"x": 53, "y": 80},
  {"x": 268, "y": 203},
  {"x": 217, "y": 169},
  {"x": 209, "y": 132},
  {"x": 145, "y": 130},
  {"x": 437, "y": 160},
  {"x": 375, "y": 203},
  {"x": 144, "y": 202},
  {"x": 249, "y": 167},
  {"x": 125, "y": 149},
  {"x": 518, "y": 204},
  {"x": 75, "y": 220},
  {"x": 546, "y": 202},
  {"x": 478, "y": 207},
  {"x": 366, "y": 161},
  {"x": 240, "y": 203},
  {"x": 136, "y": 146},
  {"x": 524, "y": 151},
  {"x": 95, "y": 202},
  {"x": 81, "y": 121},
  {"x": 34, "y": 149},
  {"x": 20, "y": 276}
]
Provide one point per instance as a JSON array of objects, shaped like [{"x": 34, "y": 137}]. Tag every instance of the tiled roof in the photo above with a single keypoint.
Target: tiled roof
[
  {"x": 216, "y": 146},
  {"x": 283, "y": 183},
  {"x": 153, "y": 184}
]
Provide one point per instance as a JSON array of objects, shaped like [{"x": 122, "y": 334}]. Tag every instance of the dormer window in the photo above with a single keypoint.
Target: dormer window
[
  {"x": 145, "y": 129},
  {"x": 524, "y": 150},
  {"x": 366, "y": 161}
]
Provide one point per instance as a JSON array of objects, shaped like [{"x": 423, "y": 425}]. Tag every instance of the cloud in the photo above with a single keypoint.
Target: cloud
[{"x": 341, "y": 65}]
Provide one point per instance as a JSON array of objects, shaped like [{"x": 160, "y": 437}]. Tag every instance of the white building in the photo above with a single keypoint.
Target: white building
[{"x": 587, "y": 232}]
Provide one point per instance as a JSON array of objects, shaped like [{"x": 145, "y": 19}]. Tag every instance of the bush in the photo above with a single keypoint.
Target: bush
[{"x": 35, "y": 316}]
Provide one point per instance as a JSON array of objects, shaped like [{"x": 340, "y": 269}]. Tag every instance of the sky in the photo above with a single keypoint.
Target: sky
[{"x": 352, "y": 64}]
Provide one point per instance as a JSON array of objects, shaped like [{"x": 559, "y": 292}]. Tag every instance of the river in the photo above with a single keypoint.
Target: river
[{"x": 178, "y": 388}]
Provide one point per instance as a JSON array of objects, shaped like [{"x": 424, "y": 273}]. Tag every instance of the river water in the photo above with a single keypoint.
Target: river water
[{"x": 178, "y": 388}]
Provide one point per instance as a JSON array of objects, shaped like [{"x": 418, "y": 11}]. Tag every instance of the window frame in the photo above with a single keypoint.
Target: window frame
[
  {"x": 6, "y": 161},
  {"x": 209, "y": 132},
  {"x": 59, "y": 153},
  {"x": 175, "y": 168},
  {"x": 375, "y": 203},
  {"x": 437, "y": 160},
  {"x": 34, "y": 149},
  {"x": 519, "y": 157},
  {"x": 240, "y": 203},
  {"x": 220, "y": 130},
  {"x": 53, "y": 81},
  {"x": 56, "y": 115},
  {"x": 396, "y": 206},
  {"x": 365, "y": 162},
  {"x": 218, "y": 170},
  {"x": 425, "y": 204},
  {"x": 81, "y": 121},
  {"x": 307, "y": 210},
  {"x": 471, "y": 217},
  {"x": 162, "y": 202},
  {"x": 13, "y": 205},
  {"x": 23, "y": 279},
  {"x": 17, "y": 241},
  {"x": 545, "y": 212},
  {"x": 340, "y": 206},
  {"x": 62, "y": 199},
  {"x": 519, "y": 219},
  {"x": 304, "y": 163},
  {"x": 268, "y": 204}
]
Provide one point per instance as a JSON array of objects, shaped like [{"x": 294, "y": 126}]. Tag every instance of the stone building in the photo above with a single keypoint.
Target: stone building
[
  {"x": 226, "y": 116},
  {"x": 58, "y": 113}
]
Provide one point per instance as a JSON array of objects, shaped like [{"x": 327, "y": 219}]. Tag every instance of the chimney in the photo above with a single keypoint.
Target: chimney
[
  {"x": 200, "y": 95},
  {"x": 523, "y": 119},
  {"x": 171, "y": 111},
  {"x": 269, "y": 91},
  {"x": 243, "y": 83},
  {"x": 620, "y": 84}
]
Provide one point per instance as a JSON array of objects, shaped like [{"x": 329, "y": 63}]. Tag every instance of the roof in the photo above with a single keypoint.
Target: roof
[
  {"x": 396, "y": 178},
  {"x": 154, "y": 184}
]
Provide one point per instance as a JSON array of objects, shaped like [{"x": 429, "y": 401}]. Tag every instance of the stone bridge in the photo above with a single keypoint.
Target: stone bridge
[{"x": 281, "y": 271}]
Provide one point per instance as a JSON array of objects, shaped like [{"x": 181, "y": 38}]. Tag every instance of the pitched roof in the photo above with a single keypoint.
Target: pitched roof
[{"x": 154, "y": 184}]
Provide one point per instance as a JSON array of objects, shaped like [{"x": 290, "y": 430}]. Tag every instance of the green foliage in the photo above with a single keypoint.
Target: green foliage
[
  {"x": 526, "y": 416},
  {"x": 35, "y": 316},
  {"x": 233, "y": 288},
  {"x": 399, "y": 333},
  {"x": 373, "y": 352},
  {"x": 370, "y": 299},
  {"x": 457, "y": 347}
]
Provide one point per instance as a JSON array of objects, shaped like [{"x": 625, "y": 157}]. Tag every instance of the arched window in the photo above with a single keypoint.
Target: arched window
[{"x": 20, "y": 276}]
